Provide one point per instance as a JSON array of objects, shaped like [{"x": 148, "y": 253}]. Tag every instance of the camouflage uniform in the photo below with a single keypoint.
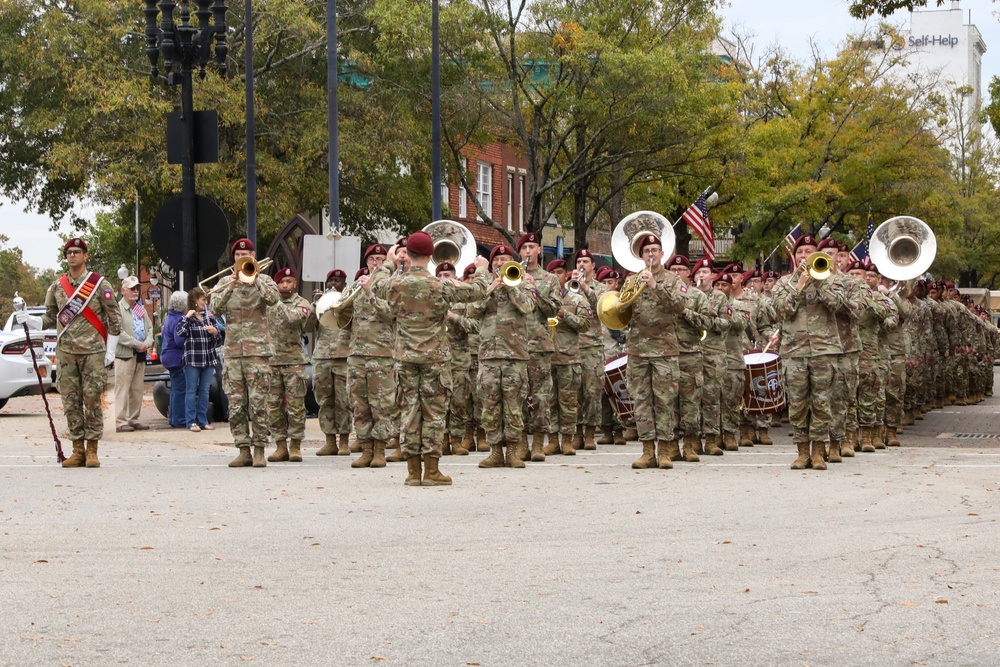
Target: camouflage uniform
[
  {"x": 538, "y": 418},
  {"x": 879, "y": 314},
  {"x": 330, "y": 379},
  {"x": 733, "y": 377},
  {"x": 371, "y": 367},
  {"x": 80, "y": 355},
  {"x": 286, "y": 402},
  {"x": 941, "y": 318},
  {"x": 696, "y": 318},
  {"x": 895, "y": 382},
  {"x": 845, "y": 388},
  {"x": 245, "y": 373},
  {"x": 758, "y": 318},
  {"x": 420, "y": 302},
  {"x": 591, "y": 358},
  {"x": 713, "y": 351},
  {"x": 459, "y": 406},
  {"x": 503, "y": 360},
  {"x": 566, "y": 371}
]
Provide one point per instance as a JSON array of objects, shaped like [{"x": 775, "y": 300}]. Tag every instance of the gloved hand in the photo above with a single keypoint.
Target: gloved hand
[
  {"x": 21, "y": 316},
  {"x": 109, "y": 352}
]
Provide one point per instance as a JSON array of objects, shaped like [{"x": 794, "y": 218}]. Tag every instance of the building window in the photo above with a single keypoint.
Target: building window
[
  {"x": 484, "y": 187},
  {"x": 462, "y": 205},
  {"x": 510, "y": 201},
  {"x": 520, "y": 203}
]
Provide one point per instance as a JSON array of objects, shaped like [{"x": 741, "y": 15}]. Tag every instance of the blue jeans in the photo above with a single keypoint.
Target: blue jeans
[
  {"x": 178, "y": 390},
  {"x": 196, "y": 399}
]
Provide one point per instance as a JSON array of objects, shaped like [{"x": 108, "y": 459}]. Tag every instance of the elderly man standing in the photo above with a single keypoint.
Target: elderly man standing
[{"x": 130, "y": 358}]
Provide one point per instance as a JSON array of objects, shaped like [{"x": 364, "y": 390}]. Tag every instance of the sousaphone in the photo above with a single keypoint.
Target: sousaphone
[
  {"x": 453, "y": 243},
  {"x": 903, "y": 248}
]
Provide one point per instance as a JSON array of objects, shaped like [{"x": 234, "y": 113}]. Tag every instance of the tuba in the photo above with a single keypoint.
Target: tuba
[
  {"x": 615, "y": 308},
  {"x": 453, "y": 243},
  {"x": 903, "y": 248}
]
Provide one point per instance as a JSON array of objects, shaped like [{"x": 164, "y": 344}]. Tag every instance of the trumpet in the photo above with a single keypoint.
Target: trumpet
[
  {"x": 819, "y": 265},
  {"x": 573, "y": 284},
  {"x": 245, "y": 270},
  {"x": 512, "y": 273}
]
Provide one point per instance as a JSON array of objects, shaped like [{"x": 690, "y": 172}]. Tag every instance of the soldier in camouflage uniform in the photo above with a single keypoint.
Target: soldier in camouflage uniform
[
  {"x": 421, "y": 302},
  {"x": 713, "y": 352},
  {"x": 810, "y": 343},
  {"x": 653, "y": 370},
  {"x": 591, "y": 355},
  {"x": 291, "y": 317},
  {"x": 571, "y": 320},
  {"x": 545, "y": 288},
  {"x": 458, "y": 437},
  {"x": 503, "y": 363},
  {"x": 735, "y": 368},
  {"x": 612, "y": 423},
  {"x": 898, "y": 345},
  {"x": 245, "y": 373},
  {"x": 333, "y": 346},
  {"x": 371, "y": 366},
  {"x": 474, "y": 403},
  {"x": 758, "y": 328},
  {"x": 844, "y": 436},
  {"x": 961, "y": 345},
  {"x": 85, "y": 344}
]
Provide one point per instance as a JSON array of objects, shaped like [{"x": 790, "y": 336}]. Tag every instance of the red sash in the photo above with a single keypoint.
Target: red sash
[{"x": 84, "y": 293}]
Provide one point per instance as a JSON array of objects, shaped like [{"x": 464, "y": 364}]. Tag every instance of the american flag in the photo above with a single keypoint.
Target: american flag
[
  {"x": 871, "y": 232},
  {"x": 138, "y": 310},
  {"x": 792, "y": 237},
  {"x": 860, "y": 252},
  {"x": 697, "y": 216}
]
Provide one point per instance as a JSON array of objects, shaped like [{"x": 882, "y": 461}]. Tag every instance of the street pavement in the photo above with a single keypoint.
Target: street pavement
[{"x": 165, "y": 556}]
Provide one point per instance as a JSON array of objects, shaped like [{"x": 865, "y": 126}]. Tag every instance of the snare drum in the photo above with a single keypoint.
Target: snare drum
[
  {"x": 763, "y": 391},
  {"x": 616, "y": 386}
]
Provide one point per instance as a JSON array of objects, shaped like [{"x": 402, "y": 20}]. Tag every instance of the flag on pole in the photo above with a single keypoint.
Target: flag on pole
[
  {"x": 871, "y": 232},
  {"x": 860, "y": 252},
  {"x": 792, "y": 237},
  {"x": 697, "y": 217}
]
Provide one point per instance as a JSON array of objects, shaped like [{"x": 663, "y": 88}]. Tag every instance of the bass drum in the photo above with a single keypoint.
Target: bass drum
[
  {"x": 763, "y": 391},
  {"x": 616, "y": 387}
]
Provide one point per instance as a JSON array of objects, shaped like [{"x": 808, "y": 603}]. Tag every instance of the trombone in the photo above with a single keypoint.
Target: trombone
[{"x": 245, "y": 270}]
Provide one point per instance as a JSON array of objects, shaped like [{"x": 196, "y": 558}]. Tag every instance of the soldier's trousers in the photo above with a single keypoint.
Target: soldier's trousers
[
  {"x": 247, "y": 383},
  {"x": 459, "y": 404},
  {"x": 565, "y": 397},
  {"x": 424, "y": 390},
  {"x": 372, "y": 384},
  {"x": 713, "y": 369},
  {"x": 733, "y": 380},
  {"x": 474, "y": 403},
  {"x": 961, "y": 379},
  {"x": 653, "y": 386},
  {"x": 504, "y": 386},
  {"x": 809, "y": 390},
  {"x": 330, "y": 390},
  {"x": 895, "y": 388},
  {"x": 286, "y": 402},
  {"x": 871, "y": 375},
  {"x": 538, "y": 418},
  {"x": 81, "y": 381},
  {"x": 591, "y": 385},
  {"x": 841, "y": 395},
  {"x": 691, "y": 385},
  {"x": 850, "y": 405}
]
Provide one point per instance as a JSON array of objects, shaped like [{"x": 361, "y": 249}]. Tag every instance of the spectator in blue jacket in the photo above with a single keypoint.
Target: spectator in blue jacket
[
  {"x": 172, "y": 357},
  {"x": 200, "y": 331}
]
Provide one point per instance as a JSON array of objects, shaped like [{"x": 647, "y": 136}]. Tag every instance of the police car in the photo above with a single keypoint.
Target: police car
[
  {"x": 49, "y": 342},
  {"x": 17, "y": 373}
]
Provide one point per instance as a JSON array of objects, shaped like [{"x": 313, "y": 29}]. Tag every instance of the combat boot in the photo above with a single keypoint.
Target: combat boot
[
  {"x": 495, "y": 459},
  {"x": 589, "y": 444},
  {"x": 413, "y": 471},
  {"x": 892, "y": 437},
  {"x": 378, "y": 455},
  {"x": 618, "y": 437},
  {"x": 522, "y": 445},
  {"x": 663, "y": 455},
  {"x": 878, "y": 437},
  {"x": 568, "y": 448},
  {"x": 281, "y": 453},
  {"x": 867, "y": 446},
  {"x": 847, "y": 447},
  {"x": 648, "y": 458},
  {"x": 713, "y": 443},
  {"x": 607, "y": 437},
  {"x": 460, "y": 447},
  {"x": 78, "y": 457},
  {"x": 939, "y": 402},
  {"x": 630, "y": 435},
  {"x": 537, "y": 455},
  {"x": 356, "y": 447},
  {"x": 295, "y": 451},
  {"x": 481, "y": 444},
  {"x": 446, "y": 445},
  {"x": 330, "y": 448},
  {"x": 242, "y": 459},
  {"x": 763, "y": 437},
  {"x": 577, "y": 440},
  {"x": 397, "y": 455},
  {"x": 746, "y": 435},
  {"x": 674, "y": 450},
  {"x": 433, "y": 476},
  {"x": 729, "y": 442},
  {"x": 552, "y": 446},
  {"x": 345, "y": 448},
  {"x": 803, "y": 460},
  {"x": 513, "y": 458},
  {"x": 258, "y": 457},
  {"x": 367, "y": 454},
  {"x": 835, "y": 451},
  {"x": 691, "y": 444},
  {"x": 909, "y": 418},
  {"x": 951, "y": 399},
  {"x": 818, "y": 455},
  {"x": 90, "y": 456},
  {"x": 468, "y": 441}
]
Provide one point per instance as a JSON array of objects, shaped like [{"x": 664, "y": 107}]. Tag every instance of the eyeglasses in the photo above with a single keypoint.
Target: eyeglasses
[{"x": 74, "y": 252}]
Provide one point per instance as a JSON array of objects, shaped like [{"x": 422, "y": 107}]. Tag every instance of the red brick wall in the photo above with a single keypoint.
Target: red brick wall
[{"x": 503, "y": 159}]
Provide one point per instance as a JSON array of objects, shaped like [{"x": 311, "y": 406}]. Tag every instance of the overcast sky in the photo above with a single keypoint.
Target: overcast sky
[{"x": 790, "y": 23}]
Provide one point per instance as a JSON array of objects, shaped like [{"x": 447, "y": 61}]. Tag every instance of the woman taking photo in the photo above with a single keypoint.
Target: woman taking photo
[{"x": 200, "y": 332}]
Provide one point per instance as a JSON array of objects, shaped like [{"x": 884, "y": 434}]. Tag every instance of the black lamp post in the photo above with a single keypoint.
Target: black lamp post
[{"x": 185, "y": 45}]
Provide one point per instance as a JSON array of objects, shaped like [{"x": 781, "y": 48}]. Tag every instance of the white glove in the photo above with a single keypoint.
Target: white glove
[
  {"x": 21, "y": 316},
  {"x": 109, "y": 353},
  {"x": 33, "y": 321}
]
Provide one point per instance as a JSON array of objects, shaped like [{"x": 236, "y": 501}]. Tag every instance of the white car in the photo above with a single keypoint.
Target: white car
[
  {"x": 50, "y": 335},
  {"x": 17, "y": 373}
]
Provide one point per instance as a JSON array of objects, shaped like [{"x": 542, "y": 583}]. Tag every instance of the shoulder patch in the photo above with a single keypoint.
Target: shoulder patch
[
  {"x": 729, "y": 311},
  {"x": 746, "y": 314},
  {"x": 684, "y": 288},
  {"x": 590, "y": 312},
  {"x": 108, "y": 294},
  {"x": 305, "y": 310}
]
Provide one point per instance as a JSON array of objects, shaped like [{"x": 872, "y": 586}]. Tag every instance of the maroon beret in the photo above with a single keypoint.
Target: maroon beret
[
  {"x": 530, "y": 237},
  {"x": 723, "y": 278},
  {"x": 870, "y": 266},
  {"x": 363, "y": 271},
  {"x": 768, "y": 275},
  {"x": 284, "y": 273},
  {"x": 469, "y": 270},
  {"x": 336, "y": 273},
  {"x": 843, "y": 248},
  {"x": 602, "y": 273},
  {"x": 613, "y": 274},
  {"x": 805, "y": 239},
  {"x": 583, "y": 252},
  {"x": 555, "y": 264},
  {"x": 678, "y": 260},
  {"x": 703, "y": 263},
  {"x": 75, "y": 243},
  {"x": 377, "y": 249},
  {"x": 420, "y": 243},
  {"x": 242, "y": 244},
  {"x": 402, "y": 242},
  {"x": 855, "y": 265},
  {"x": 649, "y": 239},
  {"x": 828, "y": 242},
  {"x": 445, "y": 266},
  {"x": 501, "y": 250},
  {"x": 733, "y": 268},
  {"x": 949, "y": 285}
]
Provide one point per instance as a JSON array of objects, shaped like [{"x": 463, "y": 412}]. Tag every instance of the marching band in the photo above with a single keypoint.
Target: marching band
[{"x": 435, "y": 351}]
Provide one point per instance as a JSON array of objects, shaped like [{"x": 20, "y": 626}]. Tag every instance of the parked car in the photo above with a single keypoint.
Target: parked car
[
  {"x": 17, "y": 373},
  {"x": 50, "y": 335}
]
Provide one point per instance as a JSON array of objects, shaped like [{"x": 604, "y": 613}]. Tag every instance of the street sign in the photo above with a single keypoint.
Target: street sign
[
  {"x": 321, "y": 255},
  {"x": 213, "y": 232}
]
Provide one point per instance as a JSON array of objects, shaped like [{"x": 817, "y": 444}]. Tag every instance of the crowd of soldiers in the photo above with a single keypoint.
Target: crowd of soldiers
[{"x": 419, "y": 366}]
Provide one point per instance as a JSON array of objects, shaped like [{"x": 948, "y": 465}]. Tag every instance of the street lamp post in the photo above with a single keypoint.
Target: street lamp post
[{"x": 187, "y": 46}]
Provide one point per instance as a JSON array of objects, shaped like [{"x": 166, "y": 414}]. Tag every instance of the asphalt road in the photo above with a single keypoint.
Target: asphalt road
[{"x": 165, "y": 556}]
